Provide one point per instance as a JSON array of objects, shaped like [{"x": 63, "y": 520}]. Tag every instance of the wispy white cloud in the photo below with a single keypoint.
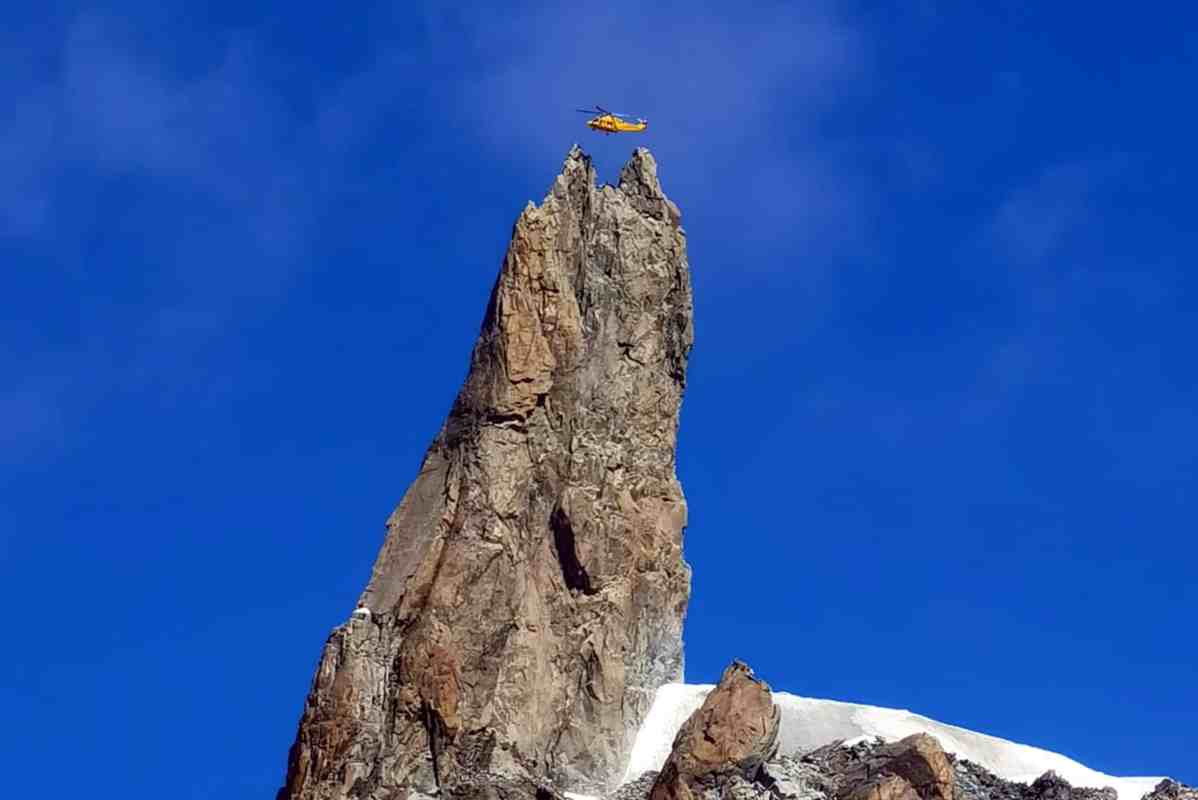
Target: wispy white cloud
[
  {"x": 110, "y": 107},
  {"x": 1036, "y": 220},
  {"x": 732, "y": 102},
  {"x": 710, "y": 76},
  {"x": 1045, "y": 236},
  {"x": 222, "y": 132},
  {"x": 29, "y": 410},
  {"x": 116, "y": 108},
  {"x": 112, "y": 111},
  {"x": 27, "y": 161}
]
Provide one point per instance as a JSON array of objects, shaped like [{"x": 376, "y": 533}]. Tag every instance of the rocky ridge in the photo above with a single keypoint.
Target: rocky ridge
[{"x": 914, "y": 768}]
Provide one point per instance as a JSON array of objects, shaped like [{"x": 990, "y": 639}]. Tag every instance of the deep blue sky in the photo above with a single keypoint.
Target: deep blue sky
[{"x": 939, "y": 439}]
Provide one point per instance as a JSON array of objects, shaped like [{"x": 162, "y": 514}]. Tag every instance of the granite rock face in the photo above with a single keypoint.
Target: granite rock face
[
  {"x": 528, "y": 598},
  {"x": 725, "y": 742}
]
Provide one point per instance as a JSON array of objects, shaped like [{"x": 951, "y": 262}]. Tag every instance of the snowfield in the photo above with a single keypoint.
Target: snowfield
[{"x": 808, "y": 723}]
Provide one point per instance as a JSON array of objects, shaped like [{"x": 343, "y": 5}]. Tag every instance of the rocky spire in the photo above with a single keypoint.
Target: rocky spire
[{"x": 528, "y": 598}]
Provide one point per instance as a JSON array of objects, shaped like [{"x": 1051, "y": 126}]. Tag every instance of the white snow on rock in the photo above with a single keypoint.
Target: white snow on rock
[{"x": 808, "y": 723}]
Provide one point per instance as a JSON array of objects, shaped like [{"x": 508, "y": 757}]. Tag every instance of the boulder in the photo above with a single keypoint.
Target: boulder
[
  {"x": 865, "y": 772},
  {"x": 732, "y": 734},
  {"x": 920, "y": 761}
]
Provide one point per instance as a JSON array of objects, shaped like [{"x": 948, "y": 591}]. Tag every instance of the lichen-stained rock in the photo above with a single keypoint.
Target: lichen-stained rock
[
  {"x": 732, "y": 734},
  {"x": 528, "y": 598}
]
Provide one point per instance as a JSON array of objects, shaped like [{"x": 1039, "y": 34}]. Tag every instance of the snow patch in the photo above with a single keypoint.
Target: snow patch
[
  {"x": 808, "y": 723},
  {"x": 857, "y": 740},
  {"x": 672, "y": 705}
]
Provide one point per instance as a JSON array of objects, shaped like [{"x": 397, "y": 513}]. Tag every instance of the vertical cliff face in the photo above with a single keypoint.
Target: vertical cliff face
[{"x": 529, "y": 595}]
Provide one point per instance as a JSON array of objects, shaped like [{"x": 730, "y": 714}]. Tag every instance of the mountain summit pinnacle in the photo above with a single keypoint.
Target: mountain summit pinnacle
[{"x": 528, "y": 598}]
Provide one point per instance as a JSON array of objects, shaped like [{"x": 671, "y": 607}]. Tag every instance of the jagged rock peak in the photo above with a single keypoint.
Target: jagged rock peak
[
  {"x": 528, "y": 598},
  {"x": 638, "y": 182},
  {"x": 641, "y": 172}
]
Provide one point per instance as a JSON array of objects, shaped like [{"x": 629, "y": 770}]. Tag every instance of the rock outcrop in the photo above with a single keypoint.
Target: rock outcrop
[
  {"x": 726, "y": 740},
  {"x": 1051, "y": 786},
  {"x": 917, "y": 761},
  {"x": 529, "y": 595},
  {"x": 1172, "y": 790},
  {"x": 915, "y": 768}
]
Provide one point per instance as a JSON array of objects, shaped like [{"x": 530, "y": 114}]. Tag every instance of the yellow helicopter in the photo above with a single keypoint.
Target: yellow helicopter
[{"x": 611, "y": 122}]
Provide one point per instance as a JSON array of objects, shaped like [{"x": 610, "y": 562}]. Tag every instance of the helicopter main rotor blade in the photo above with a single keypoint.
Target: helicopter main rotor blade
[{"x": 600, "y": 110}]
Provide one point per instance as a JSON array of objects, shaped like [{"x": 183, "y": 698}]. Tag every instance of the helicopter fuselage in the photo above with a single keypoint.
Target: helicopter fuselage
[{"x": 610, "y": 123}]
